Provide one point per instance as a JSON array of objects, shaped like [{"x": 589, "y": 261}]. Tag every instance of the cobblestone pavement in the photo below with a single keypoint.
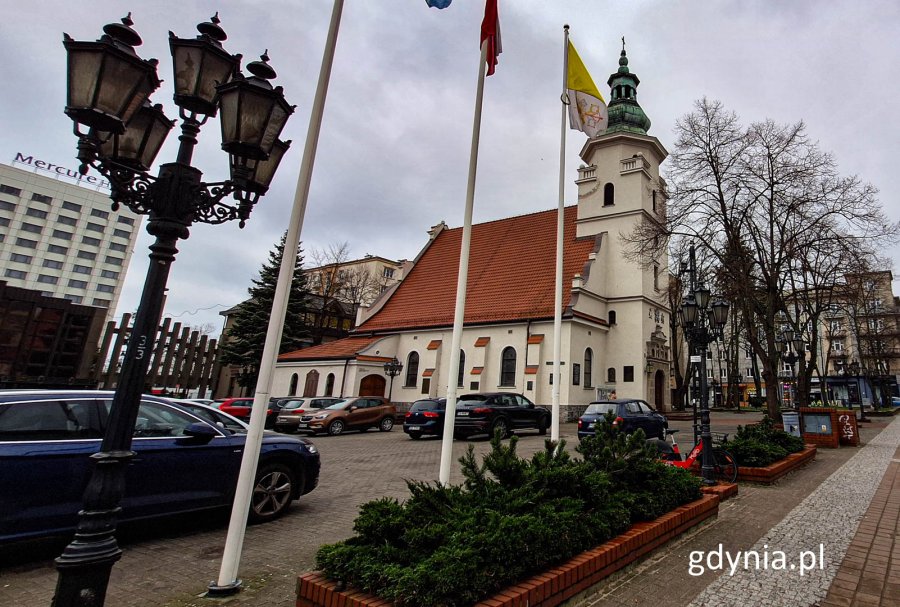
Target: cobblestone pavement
[{"x": 170, "y": 564}]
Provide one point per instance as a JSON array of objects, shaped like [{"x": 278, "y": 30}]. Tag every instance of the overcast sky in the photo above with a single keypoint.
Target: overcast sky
[{"x": 394, "y": 148}]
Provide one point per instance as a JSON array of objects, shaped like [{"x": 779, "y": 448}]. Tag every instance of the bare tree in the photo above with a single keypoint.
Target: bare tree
[{"x": 757, "y": 201}]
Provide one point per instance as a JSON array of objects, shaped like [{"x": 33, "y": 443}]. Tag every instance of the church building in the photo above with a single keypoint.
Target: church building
[{"x": 615, "y": 329}]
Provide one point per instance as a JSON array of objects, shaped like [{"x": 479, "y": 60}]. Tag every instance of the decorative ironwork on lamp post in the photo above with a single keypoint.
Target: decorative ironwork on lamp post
[
  {"x": 703, "y": 323},
  {"x": 392, "y": 369},
  {"x": 855, "y": 368},
  {"x": 119, "y": 134},
  {"x": 793, "y": 350}
]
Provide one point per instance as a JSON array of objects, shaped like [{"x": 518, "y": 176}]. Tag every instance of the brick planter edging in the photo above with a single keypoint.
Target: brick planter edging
[
  {"x": 555, "y": 585},
  {"x": 769, "y": 474}
]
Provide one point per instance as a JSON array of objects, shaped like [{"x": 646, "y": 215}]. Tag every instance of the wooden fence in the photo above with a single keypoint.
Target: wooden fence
[{"x": 183, "y": 360}]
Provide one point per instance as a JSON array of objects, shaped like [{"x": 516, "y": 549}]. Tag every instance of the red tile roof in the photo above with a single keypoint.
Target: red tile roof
[
  {"x": 341, "y": 349},
  {"x": 511, "y": 274},
  {"x": 434, "y": 344},
  {"x": 536, "y": 339},
  {"x": 482, "y": 342}
]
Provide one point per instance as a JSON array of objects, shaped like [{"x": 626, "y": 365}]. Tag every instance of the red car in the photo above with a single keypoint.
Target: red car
[{"x": 240, "y": 408}]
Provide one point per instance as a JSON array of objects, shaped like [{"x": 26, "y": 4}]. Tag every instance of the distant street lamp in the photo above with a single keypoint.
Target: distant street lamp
[
  {"x": 854, "y": 370},
  {"x": 703, "y": 324},
  {"x": 109, "y": 87},
  {"x": 794, "y": 347},
  {"x": 392, "y": 369}
]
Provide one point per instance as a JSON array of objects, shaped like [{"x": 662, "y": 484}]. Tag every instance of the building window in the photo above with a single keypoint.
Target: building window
[
  {"x": 628, "y": 373},
  {"x": 99, "y": 213},
  {"x": 73, "y": 298},
  {"x": 8, "y": 189},
  {"x": 426, "y": 385},
  {"x": 412, "y": 370},
  {"x": 53, "y": 264},
  {"x": 41, "y": 198},
  {"x": 62, "y": 234},
  {"x": 36, "y": 213},
  {"x": 329, "y": 385},
  {"x": 77, "y": 284},
  {"x": 16, "y": 274},
  {"x": 837, "y": 345},
  {"x": 576, "y": 374},
  {"x": 66, "y": 220},
  {"x": 654, "y": 200},
  {"x": 609, "y": 195},
  {"x": 295, "y": 379},
  {"x": 48, "y": 280},
  {"x": 28, "y": 244},
  {"x": 115, "y": 261},
  {"x": 106, "y": 288},
  {"x": 4, "y": 222},
  {"x": 94, "y": 227},
  {"x": 388, "y": 272},
  {"x": 115, "y": 246},
  {"x": 103, "y": 303},
  {"x": 18, "y": 257},
  {"x": 126, "y": 220},
  {"x": 30, "y": 227},
  {"x": 612, "y": 317},
  {"x": 611, "y": 375},
  {"x": 90, "y": 240},
  {"x": 508, "y": 366},
  {"x": 656, "y": 277},
  {"x": 109, "y": 274},
  {"x": 121, "y": 233},
  {"x": 588, "y": 368},
  {"x": 462, "y": 368},
  {"x": 55, "y": 248},
  {"x": 87, "y": 255},
  {"x": 81, "y": 269},
  {"x": 71, "y": 206},
  {"x": 7, "y": 206}
]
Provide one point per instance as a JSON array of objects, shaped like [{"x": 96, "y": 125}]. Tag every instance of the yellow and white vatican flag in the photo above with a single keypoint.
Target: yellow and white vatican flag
[{"x": 587, "y": 109}]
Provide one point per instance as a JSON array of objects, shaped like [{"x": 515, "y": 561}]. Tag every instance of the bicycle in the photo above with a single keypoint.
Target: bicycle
[{"x": 724, "y": 465}]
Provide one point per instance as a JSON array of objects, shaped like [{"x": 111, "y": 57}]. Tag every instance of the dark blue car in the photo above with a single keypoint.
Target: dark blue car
[
  {"x": 183, "y": 462},
  {"x": 629, "y": 414},
  {"x": 425, "y": 418}
]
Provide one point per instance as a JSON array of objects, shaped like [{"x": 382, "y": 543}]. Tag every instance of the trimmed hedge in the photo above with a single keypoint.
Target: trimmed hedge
[
  {"x": 762, "y": 444},
  {"x": 511, "y": 518}
]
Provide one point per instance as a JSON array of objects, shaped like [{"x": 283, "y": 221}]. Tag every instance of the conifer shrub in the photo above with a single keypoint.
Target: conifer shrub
[
  {"x": 511, "y": 518},
  {"x": 763, "y": 444}
]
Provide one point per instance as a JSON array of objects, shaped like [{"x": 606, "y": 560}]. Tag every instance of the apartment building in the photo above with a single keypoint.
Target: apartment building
[{"x": 61, "y": 238}]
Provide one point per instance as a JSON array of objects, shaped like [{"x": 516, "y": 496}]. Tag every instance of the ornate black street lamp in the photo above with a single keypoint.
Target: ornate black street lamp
[
  {"x": 855, "y": 369},
  {"x": 703, "y": 323},
  {"x": 108, "y": 96},
  {"x": 793, "y": 350},
  {"x": 392, "y": 369}
]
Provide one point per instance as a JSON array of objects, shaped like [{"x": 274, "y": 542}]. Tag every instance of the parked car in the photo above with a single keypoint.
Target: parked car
[
  {"x": 425, "y": 418},
  {"x": 630, "y": 414},
  {"x": 357, "y": 413},
  {"x": 486, "y": 413},
  {"x": 240, "y": 407},
  {"x": 183, "y": 463},
  {"x": 292, "y": 409}
]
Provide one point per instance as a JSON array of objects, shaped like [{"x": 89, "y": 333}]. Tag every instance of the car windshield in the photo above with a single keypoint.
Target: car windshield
[
  {"x": 338, "y": 405},
  {"x": 601, "y": 408},
  {"x": 292, "y": 404}
]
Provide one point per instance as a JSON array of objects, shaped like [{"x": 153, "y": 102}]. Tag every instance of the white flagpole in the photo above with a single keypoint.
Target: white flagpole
[
  {"x": 227, "y": 582},
  {"x": 461, "y": 281},
  {"x": 560, "y": 224}
]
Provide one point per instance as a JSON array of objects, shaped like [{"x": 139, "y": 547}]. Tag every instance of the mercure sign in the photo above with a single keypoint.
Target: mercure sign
[{"x": 60, "y": 170}]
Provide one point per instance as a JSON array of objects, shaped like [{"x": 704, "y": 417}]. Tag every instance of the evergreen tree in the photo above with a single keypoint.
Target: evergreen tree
[{"x": 246, "y": 338}]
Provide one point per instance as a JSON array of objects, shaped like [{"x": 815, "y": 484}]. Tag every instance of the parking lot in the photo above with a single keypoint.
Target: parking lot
[{"x": 171, "y": 563}]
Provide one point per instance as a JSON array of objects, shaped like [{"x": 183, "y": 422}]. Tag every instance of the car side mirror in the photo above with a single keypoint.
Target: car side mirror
[
  {"x": 200, "y": 432},
  {"x": 353, "y": 408}
]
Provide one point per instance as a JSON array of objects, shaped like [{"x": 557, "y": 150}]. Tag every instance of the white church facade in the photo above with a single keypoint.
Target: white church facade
[{"x": 615, "y": 323}]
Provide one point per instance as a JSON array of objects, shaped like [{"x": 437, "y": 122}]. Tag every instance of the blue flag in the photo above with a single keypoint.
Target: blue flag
[{"x": 438, "y": 3}]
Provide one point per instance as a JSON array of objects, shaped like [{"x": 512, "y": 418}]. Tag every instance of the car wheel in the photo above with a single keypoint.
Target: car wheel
[
  {"x": 501, "y": 425},
  {"x": 542, "y": 426},
  {"x": 272, "y": 492},
  {"x": 336, "y": 427},
  {"x": 386, "y": 425},
  {"x": 415, "y": 435}
]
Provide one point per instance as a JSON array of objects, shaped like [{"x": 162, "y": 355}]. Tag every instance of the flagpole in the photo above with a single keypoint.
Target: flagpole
[
  {"x": 461, "y": 282},
  {"x": 228, "y": 583},
  {"x": 560, "y": 231}
]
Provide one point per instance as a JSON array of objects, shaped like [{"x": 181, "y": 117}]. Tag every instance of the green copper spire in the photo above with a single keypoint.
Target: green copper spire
[{"x": 625, "y": 115}]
